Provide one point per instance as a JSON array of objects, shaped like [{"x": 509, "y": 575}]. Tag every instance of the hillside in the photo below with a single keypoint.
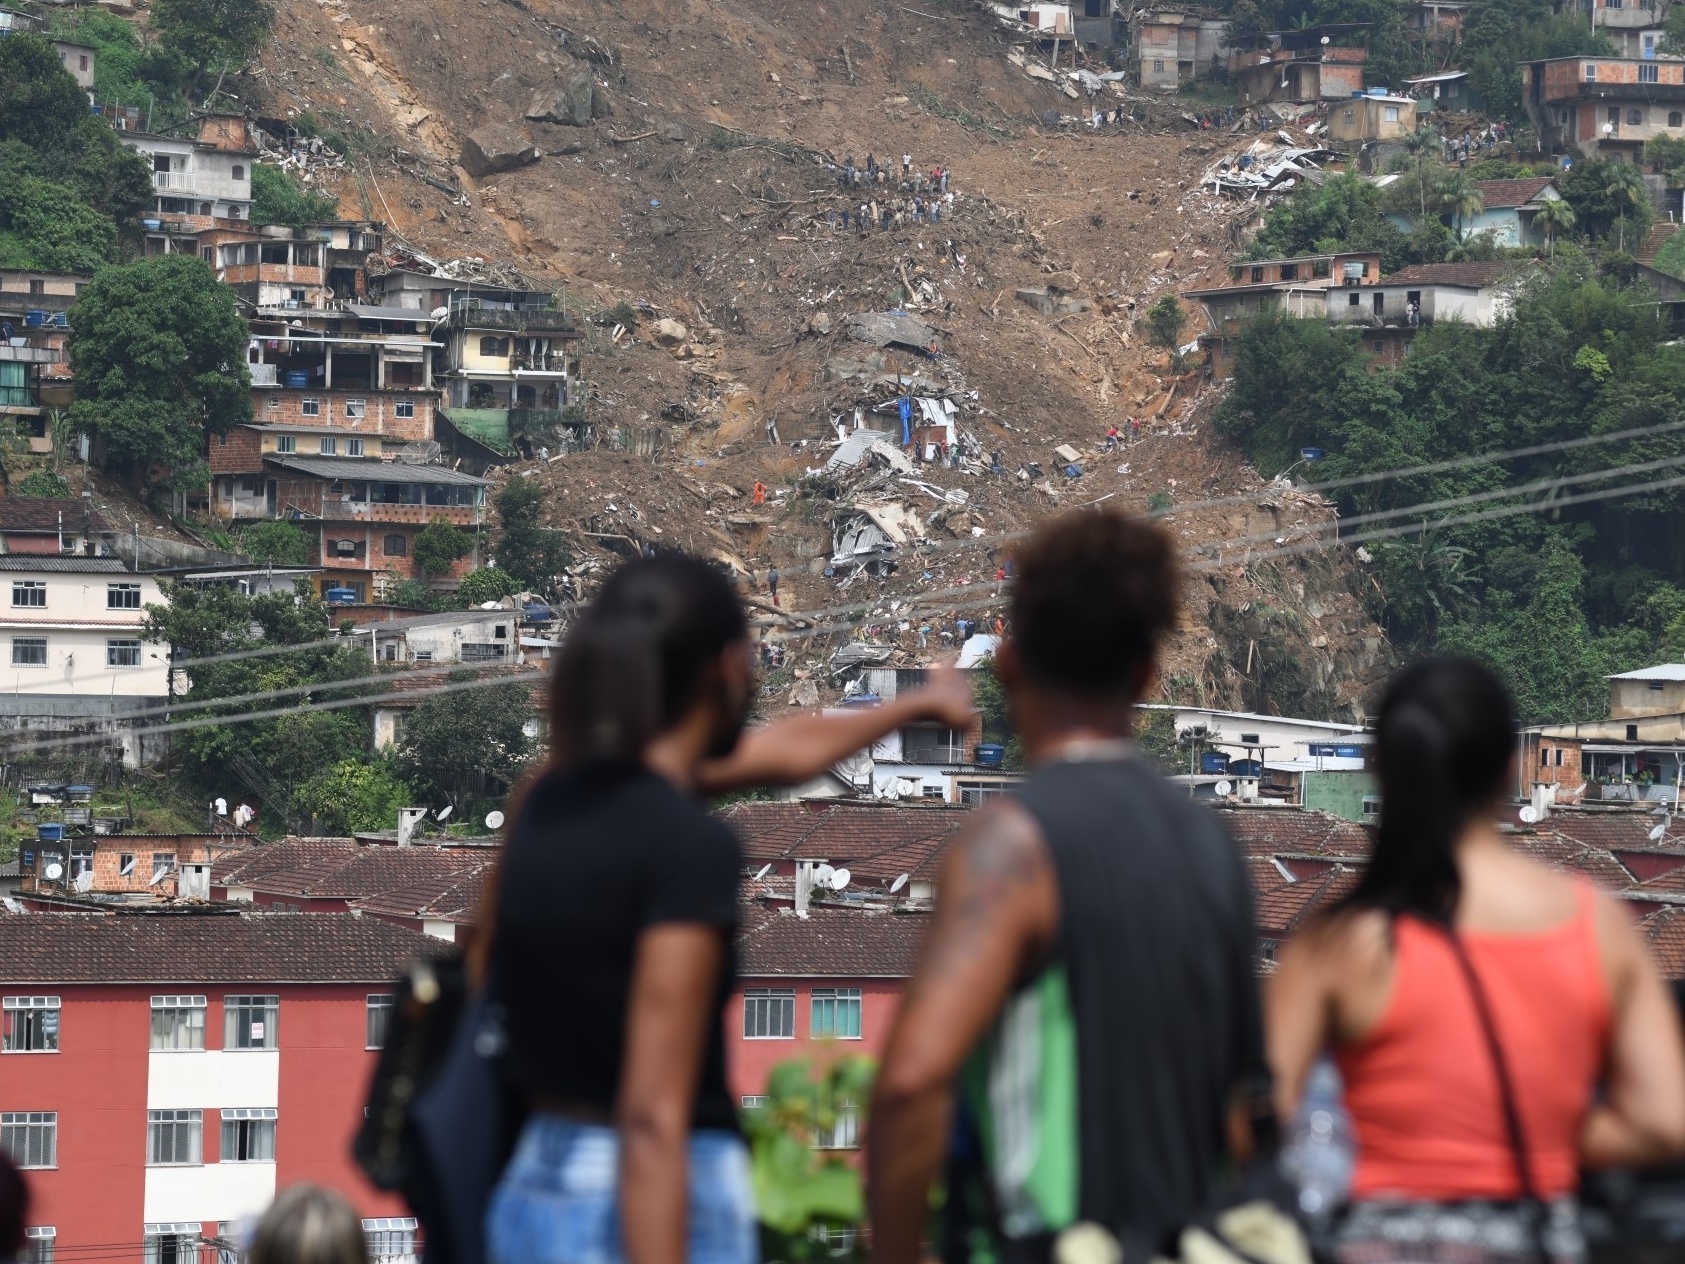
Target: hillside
[{"x": 701, "y": 193}]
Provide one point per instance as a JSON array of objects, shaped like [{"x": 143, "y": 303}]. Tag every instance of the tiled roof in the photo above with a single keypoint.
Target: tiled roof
[
  {"x": 442, "y": 897},
  {"x": 1665, "y": 930},
  {"x": 376, "y": 471},
  {"x": 70, "y": 565},
  {"x": 876, "y": 841},
  {"x": 1611, "y": 830},
  {"x": 1473, "y": 276},
  {"x": 341, "y": 868},
  {"x": 834, "y": 943},
  {"x": 183, "y": 948},
  {"x": 1499, "y": 194},
  {"x": 42, "y": 513},
  {"x": 1268, "y": 831}
]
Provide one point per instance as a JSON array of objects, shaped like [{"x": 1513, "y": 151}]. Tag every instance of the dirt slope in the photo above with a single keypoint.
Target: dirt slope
[{"x": 704, "y": 192}]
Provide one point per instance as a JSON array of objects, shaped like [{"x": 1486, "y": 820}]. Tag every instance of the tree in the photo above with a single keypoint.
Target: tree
[
  {"x": 1556, "y": 216},
  {"x": 213, "y": 35},
  {"x": 40, "y": 104},
  {"x": 277, "y": 198},
  {"x": 42, "y": 483},
  {"x": 1460, "y": 194},
  {"x": 455, "y": 743},
  {"x": 440, "y": 546},
  {"x": 1499, "y": 35},
  {"x": 488, "y": 583},
  {"x": 1626, "y": 191},
  {"x": 1344, "y": 213},
  {"x": 1424, "y": 146},
  {"x": 1165, "y": 321},
  {"x": 276, "y": 542},
  {"x": 534, "y": 555},
  {"x": 355, "y": 795},
  {"x": 160, "y": 356},
  {"x": 46, "y": 226}
]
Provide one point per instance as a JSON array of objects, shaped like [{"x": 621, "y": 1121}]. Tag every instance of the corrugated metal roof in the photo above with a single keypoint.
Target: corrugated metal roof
[
  {"x": 62, "y": 565},
  {"x": 343, "y": 467},
  {"x": 1661, "y": 671}
]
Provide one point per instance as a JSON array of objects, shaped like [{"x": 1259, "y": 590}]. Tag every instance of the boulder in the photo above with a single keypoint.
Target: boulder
[
  {"x": 567, "y": 103},
  {"x": 820, "y": 323},
  {"x": 497, "y": 147},
  {"x": 668, "y": 332}
]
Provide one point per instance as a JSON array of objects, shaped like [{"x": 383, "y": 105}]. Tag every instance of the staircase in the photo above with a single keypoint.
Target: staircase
[{"x": 1654, "y": 240}]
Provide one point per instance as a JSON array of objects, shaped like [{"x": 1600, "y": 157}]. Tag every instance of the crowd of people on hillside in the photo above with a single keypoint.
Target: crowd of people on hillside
[{"x": 892, "y": 195}]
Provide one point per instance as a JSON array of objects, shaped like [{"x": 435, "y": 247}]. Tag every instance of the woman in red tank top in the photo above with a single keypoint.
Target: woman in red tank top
[{"x": 1498, "y": 1025}]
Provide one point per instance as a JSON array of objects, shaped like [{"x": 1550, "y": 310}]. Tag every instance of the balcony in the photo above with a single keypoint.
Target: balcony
[
  {"x": 175, "y": 181},
  {"x": 555, "y": 362},
  {"x": 531, "y": 320},
  {"x": 1626, "y": 93}
]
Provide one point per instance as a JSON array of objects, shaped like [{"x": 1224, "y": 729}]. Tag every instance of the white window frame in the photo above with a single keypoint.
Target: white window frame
[
  {"x": 754, "y": 1101},
  {"x": 122, "y": 652},
  {"x": 356, "y": 409},
  {"x": 837, "y": 999},
  {"x": 38, "y": 1244},
  {"x": 251, "y": 1120},
  {"x": 759, "y": 1005},
  {"x": 32, "y": 592},
  {"x": 44, "y": 1027},
  {"x": 186, "y": 1133},
  {"x": 1591, "y": 72},
  {"x": 310, "y": 407},
  {"x": 403, "y": 408},
  {"x": 377, "y": 1018},
  {"x": 152, "y": 1247},
  {"x": 328, "y": 445},
  {"x": 185, "y": 1008},
  {"x": 1649, "y": 72},
  {"x": 122, "y": 596},
  {"x": 844, "y": 1132},
  {"x": 390, "y": 1239},
  {"x": 238, "y": 1022},
  {"x": 286, "y": 445},
  {"x": 353, "y": 447},
  {"x": 31, "y": 643},
  {"x": 45, "y": 1123}
]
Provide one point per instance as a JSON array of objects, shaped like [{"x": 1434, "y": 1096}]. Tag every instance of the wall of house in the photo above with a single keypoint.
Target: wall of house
[
  {"x": 1340, "y": 793},
  {"x": 1553, "y": 761},
  {"x": 1370, "y": 118},
  {"x": 1341, "y": 79},
  {"x": 749, "y": 1062},
  {"x": 1628, "y": 698},
  {"x": 77, "y": 623},
  {"x": 381, "y": 409},
  {"x": 238, "y": 450}
]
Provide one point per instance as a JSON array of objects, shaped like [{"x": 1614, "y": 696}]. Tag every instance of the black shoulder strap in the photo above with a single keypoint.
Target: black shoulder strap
[{"x": 1506, "y": 1087}]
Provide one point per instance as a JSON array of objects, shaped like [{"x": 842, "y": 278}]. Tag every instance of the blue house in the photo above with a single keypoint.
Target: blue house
[{"x": 1511, "y": 207}]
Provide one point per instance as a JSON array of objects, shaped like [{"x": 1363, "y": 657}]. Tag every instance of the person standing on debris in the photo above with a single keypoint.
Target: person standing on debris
[
  {"x": 1135, "y": 427},
  {"x": 944, "y": 182},
  {"x": 772, "y": 583},
  {"x": 905, "y": 407},
  {"x": 935, "y": 212},
  {"x": 848, "y": 172},
  {"x": 1111, "y": 438},
  {"x": 760, "y": 492},
  {"x": 772, "y": 429},
  {"x": 906, "y": 166},
  {"x": 1093, "y": 1032},
  {"x": 871, "y": 167},
  {"x": 995, "y": 465}
]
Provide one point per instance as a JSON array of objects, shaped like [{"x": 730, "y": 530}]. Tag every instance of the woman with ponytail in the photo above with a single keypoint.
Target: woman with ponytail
[
  {"x": 1498, "y": 1024},
  {"x": 612, "y": 923}
]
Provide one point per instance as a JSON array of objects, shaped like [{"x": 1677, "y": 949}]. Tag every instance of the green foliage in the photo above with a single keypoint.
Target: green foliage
[
  {"x": 1159, "y": 502},
  {"x": 1498, "y": 35},
  {"x": 278, "y": 198},
  {"x": 798, "y": 1188},
  {"x": 1391, "y": 57},
  {"x": 1671, "y": 258},
  {"x": 1344, "y": 213},
  {"x": 457, "y": 745},
  {"x": 1165, "y": 322},
  {"x": 40, "y": 104},
  {"x": 160, "y": 356},
  {"x": 534, "y": 555},
  {"x": 354, "y": 795},
  {"x": 997, "y": 714},
  {"x": 212, "y": 36},
  {"x": 1554, "y": 600},
  {"x": 42, "y": 483},
  {"x": 488, "y": 583},
  {"x": 46, "y": 226},
  {"x": 412, "y": 594},
  {"x": 275, "y": 541},
  {"x": 1608, "y": 200},
  {"x": 440, "y": 546}
]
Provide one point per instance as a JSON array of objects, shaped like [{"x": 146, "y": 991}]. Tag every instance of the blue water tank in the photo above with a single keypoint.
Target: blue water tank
[
  {"x": 34, "y": 318},
  {"x": 1310, "y": 454},
  {"x": 340, "y": 596},
  {"x": 295, "y": 378},
  {"x": 1214, "y": 763},
  {"x": 537, "y": 612},
  {"x": 1246, "y": 767},
  {"x": 990, "y": 754},
  {"x": 50, "y": 832}
]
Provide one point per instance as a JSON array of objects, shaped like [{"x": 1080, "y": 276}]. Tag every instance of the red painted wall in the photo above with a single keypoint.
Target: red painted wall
[
  {"x": 748, "y": 1062},
  {"x": 97, "y": 1084}
]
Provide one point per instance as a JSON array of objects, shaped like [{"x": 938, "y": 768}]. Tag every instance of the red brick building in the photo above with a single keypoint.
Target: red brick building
[{"x": 163, "y": 1074}]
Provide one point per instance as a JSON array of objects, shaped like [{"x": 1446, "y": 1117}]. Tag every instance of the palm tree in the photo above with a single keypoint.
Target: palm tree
[
  {"x": 1624, "y": 187},
  {"x": 1557, "y": 216},
  {"x": 1460, "y": 194},
  {"x": 1423, "y": 145}
]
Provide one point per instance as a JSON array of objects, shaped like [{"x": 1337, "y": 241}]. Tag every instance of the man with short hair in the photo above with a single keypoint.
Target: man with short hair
[{"x": 1086, "y": 1003}]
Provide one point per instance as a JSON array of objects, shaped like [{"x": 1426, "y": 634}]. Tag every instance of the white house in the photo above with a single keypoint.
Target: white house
[
  {"x": 191, "y": 177},
  {"x": 1244, "y": 734}
]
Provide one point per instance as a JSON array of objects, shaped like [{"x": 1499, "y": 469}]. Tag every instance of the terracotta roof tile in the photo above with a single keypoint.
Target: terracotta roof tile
[
  {"x": 1499, "y": 194},
  {"x": 1472, "y": 275},
  {"x": 1665, "y": 931},
  {"x": 831, "y": 943},
  {"x": 877, "y": 841},
  {"x": 342, "y": 868},
  {"x": 198, "y": 947},
  {"x": 41, "y": 513}
]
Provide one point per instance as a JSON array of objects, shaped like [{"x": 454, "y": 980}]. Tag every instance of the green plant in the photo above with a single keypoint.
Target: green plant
[
  {"x": 42, "y": 483},
  {"x": 440, "y": 546},
  {"x": 1159, "y": 502},
  {"x": 279, "y": 542},
  {"x": 1165, "y": 322},
  {"x": 533, "y": 554},
  {"x": 354, "y": 795},
  {"x": 488, "y": 583},
  {"x": 278, "y": 198},
  {"x": 801, "y": 1191}
]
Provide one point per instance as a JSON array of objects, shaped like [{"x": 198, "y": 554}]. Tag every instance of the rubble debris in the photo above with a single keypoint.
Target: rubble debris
[
  {"x": 1051, "y": 301},
  {"x": 668, "y": 332},
  {"x": 497, "y": 147},
  {"x": 883, "y": 329},
  {"x": 1265, "y": 167},
  {"x": 568, "y": 104}
]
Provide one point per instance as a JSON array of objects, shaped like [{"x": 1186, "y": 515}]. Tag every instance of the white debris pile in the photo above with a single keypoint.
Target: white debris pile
[{"x": 1267, "y": 165}]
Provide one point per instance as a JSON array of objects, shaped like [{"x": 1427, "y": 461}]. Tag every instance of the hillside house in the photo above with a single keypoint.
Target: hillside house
[
  {"x": 1635, "y": 27},
  {"x": 1172, "y": 45},
  {"x": 507, "y": 366},
  {"x": 1391, "y": 311},
  {"x": 1604, "y": 107},
  {"x": 1510, "y": 207},
  {"x": 1632, "y": 756},
  {"x": 1371, "y": 119},
  {"x": 1298, "y": 66},
  {"x": 1446, "y": 92},
  {"x": 196, "y": 179},
  {"x": 52, "y": 527},
  {"x": 79, "y": 60},
  {"x": 1294, "y": 287}
]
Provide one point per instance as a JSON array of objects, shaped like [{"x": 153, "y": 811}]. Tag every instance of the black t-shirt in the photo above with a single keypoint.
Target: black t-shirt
[{"x": 593, "y": 861}]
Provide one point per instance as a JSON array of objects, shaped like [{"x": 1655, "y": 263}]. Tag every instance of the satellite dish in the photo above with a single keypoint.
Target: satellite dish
[
  {"x": 444, "y": 813},
  {"x": 839, "y": 879},
  {"x": 1224, "y": 789},
  {"x": 763, "y": 871},
  {"x": 1529, "y": 815},
  {"x": 898, "y": 884},
  {"x": 55, "y": 871},
  {"x": 494, "y": 820},
  {"x": 822, "y": 875},
  {"x": 1658, "y": 831}
]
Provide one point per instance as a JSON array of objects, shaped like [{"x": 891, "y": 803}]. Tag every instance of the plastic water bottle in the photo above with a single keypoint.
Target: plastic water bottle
[{"x": 1320, "y": 1154}]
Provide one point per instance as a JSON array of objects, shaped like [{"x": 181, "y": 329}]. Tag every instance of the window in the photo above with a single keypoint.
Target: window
[
  {"x": 31, "y": 1137},
  {"x": 178, "y": 1022},
  {"x": 122, "y": 653},
  {"x": 356, "y": 409},
  {"x": 481, "y": 651},
  {"x": 379, "y": 1018},
  {"x": 396, "y": 546},
  {"x": 1559, "y": 757},
  {"x": 248, "y": 1135},
  {"x": 1632, "y": 732},
  {"x": 248, "y": 1022},
  {"x": 125, "y": 864},
  {"x": 1319, "y": 268},
  {"x": 1257, "y": 275},
  {"x": 310, "y": 407},
  {"x": 390, "y": 1241},
  {"x": 1591, "y": 72},
  {"x": 1634, "y": 117},
  {"x": 403, "y": 408},
  {"x": 1352, "y": 300},
  {"x": 239, "y": 172},
  {"x": 37, "y": 285},
  {"x": 1380, "y": 347},
  {"x": 1647, "y": 74},
  {"x": 844, "y": 1132},
  {"x": 1390, "y": 113},
  {"x": 769, "y": 1014},
  {"x": 81, "y": 859},
  {"x": 835, "y": 1013},
  {"x": 1544, "y": 757},
  {"x": 29, "y": 592},
  {"x": 1158, "y": 67},
  {"x": 329, "y": 445},
  {"x": 29, "y": 651},
  {"x": 1289, "y": 272},
  {"x": 1675, "y": 118},
  {"x": 286, "y": 443},
  {"x": 164, "y": 864},
  {"x": 174, "y": 1137},
  {"x": 494, "y": 346},
  {"x": 29, "y": 1024},
  {"x": 122, "y": 596},
  {"x": 353, "y": 447},
  {"x": 1371, "y": 806},
  {"x": 171, "y": 1244},
  {"x": 1351, "y": 117},
  {"x": 38, "y": 1240}
]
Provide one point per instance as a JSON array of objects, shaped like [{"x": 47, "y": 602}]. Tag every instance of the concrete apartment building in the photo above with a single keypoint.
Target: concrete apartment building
[
  {"x": 162, "y": 1074},
  {"x": 1173, "y": 44},
  {"x": 1604, "y": 107},
  {"x": 1294, "y": 287},
  {"x": 195, "y": 178}
]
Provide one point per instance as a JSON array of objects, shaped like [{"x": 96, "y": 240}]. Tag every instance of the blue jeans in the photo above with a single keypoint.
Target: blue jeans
[{"x": 558, "y": 1200}]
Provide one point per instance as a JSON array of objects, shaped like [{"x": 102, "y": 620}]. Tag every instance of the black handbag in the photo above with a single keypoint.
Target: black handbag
[{"x": 441, "y": 1119}]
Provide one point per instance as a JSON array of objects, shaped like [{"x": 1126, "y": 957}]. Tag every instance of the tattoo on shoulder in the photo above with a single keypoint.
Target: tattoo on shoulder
[{"x": 997, "y": 863}]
